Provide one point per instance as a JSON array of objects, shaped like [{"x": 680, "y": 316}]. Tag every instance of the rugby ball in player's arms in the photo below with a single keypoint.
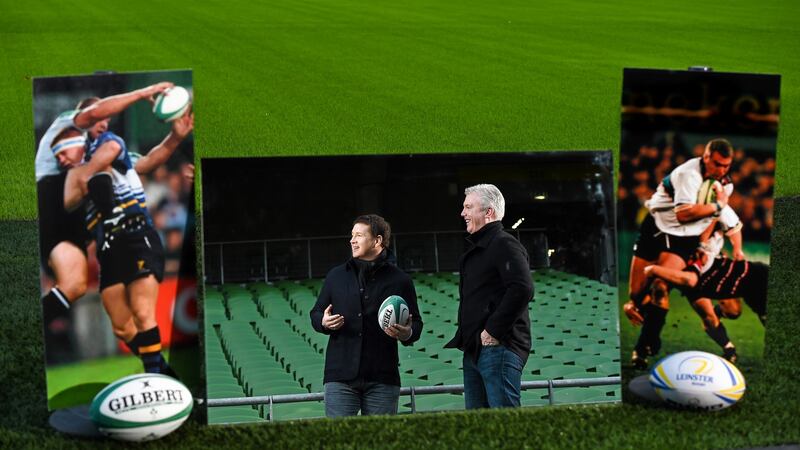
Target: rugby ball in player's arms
[
  {"x": 707, "y": 194},
  {"x": 171, "y": 104},
  {"x": 141, "y": 407},
  {"x": 697, "y": 380},
  {"x": 393, "y": 310}
]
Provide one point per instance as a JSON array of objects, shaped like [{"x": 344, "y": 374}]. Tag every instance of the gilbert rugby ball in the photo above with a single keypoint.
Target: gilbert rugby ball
[
  {"x": 393, "y": 310},
  {"x": 171, "y": 104},
  {"x": 707, "y": 194},
  {"x": 141, "y": 407},
  {"x": 697, "y": 380}
]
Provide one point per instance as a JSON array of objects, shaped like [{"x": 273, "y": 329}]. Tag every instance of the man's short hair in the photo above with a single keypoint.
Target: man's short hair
[
  {"x": 378, "y": 226},
  {"x": 721, "y": 146},
  {"x": 490, "y": 197}
]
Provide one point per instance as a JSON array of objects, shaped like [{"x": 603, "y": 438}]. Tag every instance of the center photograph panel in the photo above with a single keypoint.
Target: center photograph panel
[{"x": 507, "y": 254}]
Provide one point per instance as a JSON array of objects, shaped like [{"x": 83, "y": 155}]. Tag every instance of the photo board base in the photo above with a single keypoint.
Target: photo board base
[
  {"x": 641, "y": 387},
  {"x": 75, "y": 421}
]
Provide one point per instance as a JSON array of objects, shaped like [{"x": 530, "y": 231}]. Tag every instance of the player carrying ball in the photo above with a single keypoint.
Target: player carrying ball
[{"x": 670, "y": 234}]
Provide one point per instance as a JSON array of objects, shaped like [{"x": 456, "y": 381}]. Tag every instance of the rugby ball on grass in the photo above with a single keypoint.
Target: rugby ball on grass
[
  {"x": 697, "y": 380},
  {"x": 141, "y": 407},
  {"x": 393, "y": 310},
  {"x": 171, "y": 104}
]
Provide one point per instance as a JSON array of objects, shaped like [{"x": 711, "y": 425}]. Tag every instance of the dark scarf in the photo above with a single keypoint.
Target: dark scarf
[{"x": 365, "y": 268}]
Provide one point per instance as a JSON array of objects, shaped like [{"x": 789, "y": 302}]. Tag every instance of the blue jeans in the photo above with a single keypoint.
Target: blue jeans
[
  {"x": 494, "y": 382},
  {"x": 346, "y": 399}
]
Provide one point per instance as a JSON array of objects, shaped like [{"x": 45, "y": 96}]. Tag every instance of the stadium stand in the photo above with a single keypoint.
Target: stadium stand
[{"x": 259, "y": 342}]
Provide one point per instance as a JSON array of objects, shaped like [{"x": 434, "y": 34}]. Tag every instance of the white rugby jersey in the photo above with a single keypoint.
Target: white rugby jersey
[
  {"x": 46, "y": 162},
  {"x": 728, "y": 221},
  {"x": 712, "y": 249},
  {"x": 680, "y": 187}
]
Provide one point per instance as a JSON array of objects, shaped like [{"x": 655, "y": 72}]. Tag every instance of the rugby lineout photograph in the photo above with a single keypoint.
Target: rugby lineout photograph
[
  {"x": 115, "y": 176},
  {"x": 695, "y": 216},
  {"x": 403, "y": 284}
]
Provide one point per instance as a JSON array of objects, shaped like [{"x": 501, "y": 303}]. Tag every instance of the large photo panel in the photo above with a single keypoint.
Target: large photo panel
[
  {"x": 697, "y": 165},
  {"x": 114, "y": 174},
  {"x": 280, "y": 236}
]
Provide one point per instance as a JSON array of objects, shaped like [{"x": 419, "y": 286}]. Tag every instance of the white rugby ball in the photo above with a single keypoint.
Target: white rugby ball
[
  {"x": 707, "y": 194},
  {"x": 171, "y": 104},
  {"x": 393, "y": 310},
  {"x": 697, "y": 380},
  {"x": 141, "y": 407}
]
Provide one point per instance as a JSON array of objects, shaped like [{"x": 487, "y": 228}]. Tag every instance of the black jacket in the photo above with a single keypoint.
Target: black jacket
[
  {"x": 360, "y": 348},
  {"x": 495, "y": 289}
]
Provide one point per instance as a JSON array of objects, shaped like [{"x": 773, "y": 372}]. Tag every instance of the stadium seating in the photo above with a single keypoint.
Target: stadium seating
[{"x": 259, "y": 341}]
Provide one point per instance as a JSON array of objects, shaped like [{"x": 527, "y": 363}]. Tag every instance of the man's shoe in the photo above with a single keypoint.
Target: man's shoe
[
  {"x": 730, "y": 354},
  {"x": 639, "y": 362}
]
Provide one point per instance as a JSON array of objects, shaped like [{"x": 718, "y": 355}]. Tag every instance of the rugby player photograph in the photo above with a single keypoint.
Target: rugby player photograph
[
  {"x": 97, "y": 135},
  {"x": 697, "y": 164}
]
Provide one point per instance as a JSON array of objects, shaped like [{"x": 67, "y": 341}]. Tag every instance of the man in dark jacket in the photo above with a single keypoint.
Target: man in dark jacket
[
  {"x": 494, "y": 329},
  {"x": 361, "y": 362}
]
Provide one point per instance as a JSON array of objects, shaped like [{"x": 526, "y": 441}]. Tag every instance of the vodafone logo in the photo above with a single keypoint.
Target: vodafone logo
[{"x": 185, "y": 311}]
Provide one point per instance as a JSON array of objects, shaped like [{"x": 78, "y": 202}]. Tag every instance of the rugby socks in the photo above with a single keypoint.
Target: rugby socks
[
  {"x": 132, "y": 345},
  {"x": 101, "y": 191},
  {"x": 639, "y": 298},
  {"x": 719, "y": 335},
  {"x": 55, "y": 314},
  {"x": 55, "y": 305},
  {"x": 650, "y": 337},
  {"x": 149, "y": 345}
]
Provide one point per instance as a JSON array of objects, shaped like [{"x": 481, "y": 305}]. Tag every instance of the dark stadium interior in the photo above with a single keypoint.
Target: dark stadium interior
[{"x": 565, "y": 198}]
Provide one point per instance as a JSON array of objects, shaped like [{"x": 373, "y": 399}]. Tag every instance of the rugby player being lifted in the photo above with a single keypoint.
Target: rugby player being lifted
[{"x": 712, "y": 276}]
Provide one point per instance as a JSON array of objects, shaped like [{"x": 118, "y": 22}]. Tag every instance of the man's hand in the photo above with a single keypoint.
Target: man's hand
[
  {"x": 183, "y": 125},
  {"x": 149, "y": 93},
  {"x": 738, "y": 254},
  {"x": 487, "y": 340},
  {"x": 332, "y": 321},
  {"x": 187, "y": 170},
  {"x": 633, "y": 313},
  {"x": 400, "y": 332},
  {"x": 722, "y": 196}
]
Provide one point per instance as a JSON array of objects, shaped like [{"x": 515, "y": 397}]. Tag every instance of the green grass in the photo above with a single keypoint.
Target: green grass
[
  {"x": 315, "y": 77},
  {"x": 106, "y": 370},
  {"x": 684, "y": 331},
  {"x": 321, "y": 77}
]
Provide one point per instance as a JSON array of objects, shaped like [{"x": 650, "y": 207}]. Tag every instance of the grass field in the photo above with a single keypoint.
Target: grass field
[
  {"x": 316, "y": 76},
  {"x": 684, "y": 331},
  {"x": 76, "y": 383},
  {"x": 321, "y": 77}
]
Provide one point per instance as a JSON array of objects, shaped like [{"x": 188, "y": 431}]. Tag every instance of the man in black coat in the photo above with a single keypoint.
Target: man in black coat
[
  {"x": 494, "y": 329},
  {"x": 361, "y": 361}
]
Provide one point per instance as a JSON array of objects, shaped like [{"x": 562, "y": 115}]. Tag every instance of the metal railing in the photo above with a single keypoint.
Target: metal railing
[
  {"x": 413, "y": 391},
  {"x": 278, "y": 259}
]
